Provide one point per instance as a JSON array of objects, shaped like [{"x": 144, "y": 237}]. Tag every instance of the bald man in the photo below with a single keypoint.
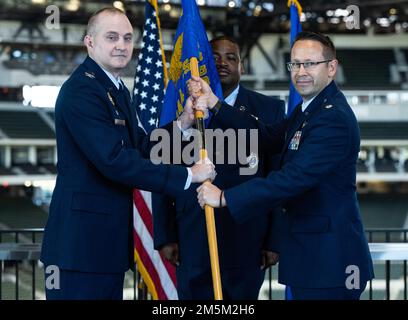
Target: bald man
[{"x": 88, "y": 242}]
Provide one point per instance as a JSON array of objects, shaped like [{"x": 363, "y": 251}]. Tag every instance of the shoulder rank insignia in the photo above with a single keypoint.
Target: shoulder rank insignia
[
  {"x": 90, "y": 75},
  {"x": 242, "y": 108},
  {"x": 329, "y": 106}
]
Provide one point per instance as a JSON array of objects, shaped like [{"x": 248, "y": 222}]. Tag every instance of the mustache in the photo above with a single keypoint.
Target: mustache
[
  {"x": 304, "y": 78},
  {"x": 222, "y": 68}
]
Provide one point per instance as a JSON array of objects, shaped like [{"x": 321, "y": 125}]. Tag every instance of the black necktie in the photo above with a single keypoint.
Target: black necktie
[{"x": 123, "y": 93}]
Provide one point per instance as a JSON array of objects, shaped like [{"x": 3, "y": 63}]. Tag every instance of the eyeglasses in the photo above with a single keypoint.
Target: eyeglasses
[{"x": 295, "y": 66}]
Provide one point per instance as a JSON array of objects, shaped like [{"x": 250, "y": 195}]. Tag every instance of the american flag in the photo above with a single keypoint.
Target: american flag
[
  {"x": 158, "y": 274},
  {"x": 148, "y": 90}
]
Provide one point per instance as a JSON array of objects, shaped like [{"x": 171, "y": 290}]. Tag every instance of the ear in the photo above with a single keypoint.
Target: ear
[
  {"x": 333, "y": 68},
  {"x": 241, "y": 67},
  {"x": 88, "y": 41}
]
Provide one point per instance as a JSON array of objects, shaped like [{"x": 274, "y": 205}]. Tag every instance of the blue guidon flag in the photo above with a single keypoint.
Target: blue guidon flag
[{"x": 190, "y": 41}]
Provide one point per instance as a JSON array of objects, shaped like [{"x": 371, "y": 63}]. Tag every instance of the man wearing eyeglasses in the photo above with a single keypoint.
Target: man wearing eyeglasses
[
  {"x": 324, "y": 253},
  {"x": 245, "y": 250}
]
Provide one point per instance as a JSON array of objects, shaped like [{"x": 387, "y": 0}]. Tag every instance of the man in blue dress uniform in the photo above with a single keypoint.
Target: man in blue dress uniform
[
  {"x": 324, "y": 253},
  {"x": 101, "y": 157},
  {"x": 245, "y": 250}
]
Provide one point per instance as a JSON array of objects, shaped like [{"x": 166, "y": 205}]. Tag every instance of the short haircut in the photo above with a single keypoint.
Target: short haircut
[
  {"x": 226, "y": 38},
  {"x": 91, "y": 28},
  {"x": 329, "y": 51}
]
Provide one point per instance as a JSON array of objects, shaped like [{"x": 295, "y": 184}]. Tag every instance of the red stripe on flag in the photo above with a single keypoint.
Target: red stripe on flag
[
  {"x": 143, "y": 210},
  {"x": 146, "y": 216},
  {"x": 148, "y": 264}
]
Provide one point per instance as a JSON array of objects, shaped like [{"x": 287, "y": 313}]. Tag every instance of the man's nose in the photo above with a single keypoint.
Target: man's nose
[
  {"x": 221, "y": 62},
  {"x": 302, "y": 69},
  {"x": 120, "y": 44}
]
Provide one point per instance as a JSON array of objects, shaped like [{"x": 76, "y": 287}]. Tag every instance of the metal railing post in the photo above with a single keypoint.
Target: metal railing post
[
  {"x": 17, "y": 271},
  {"x": 1, "y": 278},
  {"x": 405, "y": 269},
  {"x": 33, "y": 262},
  {"x": 370, "y": 291},
  {"x": 387, "y": 270},
  {"x": 270, "y": 283}
]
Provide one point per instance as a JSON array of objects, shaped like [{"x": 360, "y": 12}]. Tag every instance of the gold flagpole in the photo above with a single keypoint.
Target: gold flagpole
[{"x": 209, "y": 211}]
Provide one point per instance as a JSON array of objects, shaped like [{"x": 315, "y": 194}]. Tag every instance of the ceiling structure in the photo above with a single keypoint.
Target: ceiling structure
[
  {"x": 236, "y": 17},
  {"x": 245, "y": 20}
]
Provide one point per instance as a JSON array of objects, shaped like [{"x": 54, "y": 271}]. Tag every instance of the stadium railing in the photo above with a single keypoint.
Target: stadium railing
[{"x": 19, "y": 246}]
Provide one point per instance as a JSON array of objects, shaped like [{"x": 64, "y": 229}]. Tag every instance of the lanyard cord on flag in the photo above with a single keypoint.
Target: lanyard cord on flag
[{"x": 297, "y": 4}]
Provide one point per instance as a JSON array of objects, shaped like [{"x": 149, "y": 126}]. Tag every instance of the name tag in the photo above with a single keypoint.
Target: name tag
[
  {"x": 294, "y": 143},
  {"x": 120, "y": 122}
]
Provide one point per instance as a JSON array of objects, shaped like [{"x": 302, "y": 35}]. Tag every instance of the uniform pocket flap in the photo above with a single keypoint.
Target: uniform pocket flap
[
  {"x": 94, "y": 203},
  {"x": 310, "y": 223}
]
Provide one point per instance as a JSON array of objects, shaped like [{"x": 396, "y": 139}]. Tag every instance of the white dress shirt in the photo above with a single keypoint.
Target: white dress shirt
[
  {"x": 232, "y": 97},
  {"x": 305, "y": 104},
  {"x": 116, "y": 81}
]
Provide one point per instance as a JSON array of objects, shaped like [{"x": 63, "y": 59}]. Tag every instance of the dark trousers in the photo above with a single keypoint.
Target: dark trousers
[
  {"x": 341, "y": 293},
  {"x": 237, "y": 283},
  {"x": 74, "y": 285}
]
